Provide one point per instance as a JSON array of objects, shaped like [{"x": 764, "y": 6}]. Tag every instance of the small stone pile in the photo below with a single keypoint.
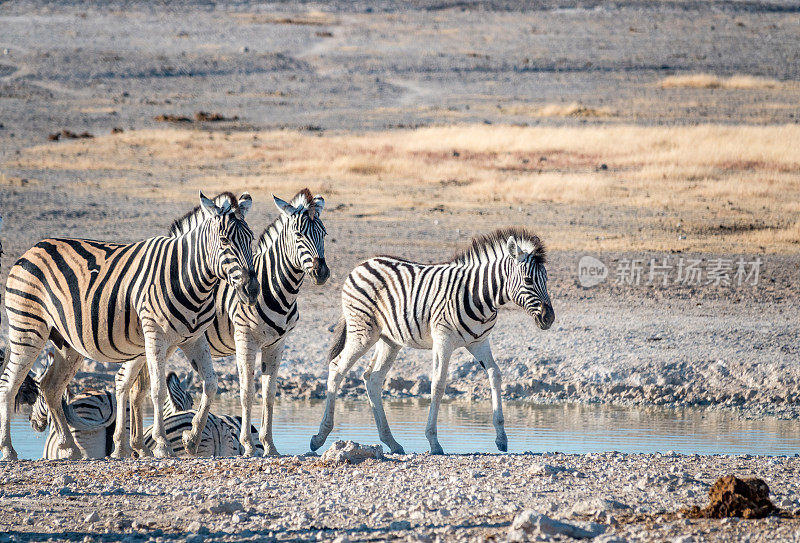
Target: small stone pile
[{"x": 350, "y": 452}]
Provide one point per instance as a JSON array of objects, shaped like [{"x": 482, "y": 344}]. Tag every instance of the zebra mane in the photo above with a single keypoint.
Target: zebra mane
[
  {"x": 527, "y": 241},
  {"x": 192, "y": 219},
  {"x": 303, "y": 199}
]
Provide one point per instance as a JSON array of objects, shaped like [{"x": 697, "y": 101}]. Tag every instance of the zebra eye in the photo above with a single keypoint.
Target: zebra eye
[
  {"x": 224, "y": 240},
  {"x": 528, "y": 281}
]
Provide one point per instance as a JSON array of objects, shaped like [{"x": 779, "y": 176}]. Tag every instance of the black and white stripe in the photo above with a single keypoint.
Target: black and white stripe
[
  {"x": 127, "y": 304},
  {"x": 442, "y": 307}
]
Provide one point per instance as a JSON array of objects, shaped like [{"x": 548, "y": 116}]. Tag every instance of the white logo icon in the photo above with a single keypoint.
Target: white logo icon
[{"x": 591, "y": 271}]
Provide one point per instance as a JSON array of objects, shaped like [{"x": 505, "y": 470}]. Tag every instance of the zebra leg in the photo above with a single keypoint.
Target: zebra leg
[
  {"x": 137, "y": 397},
  {"x": 483, "y": 353},
  {"x": 199, "y": 354},
  {"x": 123, "y": 384},
  {"x": 23, "y": 348},
  {"x": 442, "y": 349},
  {"x": 385, "y": 354},
  {"x": 156, "y": 349},
  {"x": 356, "y": 345},
  {"x": 65, "y": 365},
  {"x": 245, "y": 362},
  {"x": 270, "y": 358}
]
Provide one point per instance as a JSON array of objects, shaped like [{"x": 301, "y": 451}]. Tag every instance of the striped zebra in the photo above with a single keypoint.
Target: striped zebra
[
  {"x": 289, "y": 249},
  {"x": 220, "y": 436},
  {"x": 91, "y": 414},
  {"x": 127, "y": 304},
  {"x": 395, "y": 303}
]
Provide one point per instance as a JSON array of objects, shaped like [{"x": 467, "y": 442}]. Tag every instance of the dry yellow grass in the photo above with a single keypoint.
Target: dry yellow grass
[
  {"x": 573, "y": 109},
  {"x": 729, "y": 187},
  {"x": 709, "y": 81}
]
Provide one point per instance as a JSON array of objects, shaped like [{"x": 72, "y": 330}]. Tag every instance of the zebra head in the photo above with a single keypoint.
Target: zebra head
[
  {"x": 233, "y": 243},
  {"x": 31, "y": 394},
  {"x": 527, "y": 282},
  {"x": 308, "y": 233}
]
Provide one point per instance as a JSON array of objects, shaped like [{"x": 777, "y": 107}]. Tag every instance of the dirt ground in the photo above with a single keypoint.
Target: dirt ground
[{"x": 666, "y": 130}]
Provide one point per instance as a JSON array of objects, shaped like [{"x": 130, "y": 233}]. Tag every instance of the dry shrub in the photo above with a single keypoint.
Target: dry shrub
[{"x": 709, "y": 81}]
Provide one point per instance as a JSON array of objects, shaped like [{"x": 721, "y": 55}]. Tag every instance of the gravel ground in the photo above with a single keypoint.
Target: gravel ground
[{"x": 455, "y": 498}]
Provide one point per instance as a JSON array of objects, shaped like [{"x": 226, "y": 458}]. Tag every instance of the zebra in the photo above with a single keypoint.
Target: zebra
[
  {"x": 288, "y": 249},
  {"x": 127, "y": 304},
  {"x": 441, "y": 307},
  {"x": 220, "y": 436},
  {"x": 91, "y": 414}
]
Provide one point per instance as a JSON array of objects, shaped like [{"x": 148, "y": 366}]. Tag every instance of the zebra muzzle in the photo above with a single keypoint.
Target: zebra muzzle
[
  {"x": 250, "y": 289},
  {"x": 320, "y": 271},
  {"x": 546, "y": 317}
]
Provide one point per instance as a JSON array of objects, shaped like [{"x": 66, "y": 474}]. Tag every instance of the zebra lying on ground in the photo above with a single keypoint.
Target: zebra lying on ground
[
  {"x": 91, "y": 414},
  {"x": 289, "y": 249},
  {"x": 395, "y": 303},
  {"x": 127, "y": 304}
]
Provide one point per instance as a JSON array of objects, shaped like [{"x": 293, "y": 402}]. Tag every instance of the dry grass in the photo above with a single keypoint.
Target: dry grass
[
  {"x": 709, "y": 81},
  {"x": 310, "y": 18},
  {"x": 721, "y": 188},
  {"x": 573, "y": 109}
]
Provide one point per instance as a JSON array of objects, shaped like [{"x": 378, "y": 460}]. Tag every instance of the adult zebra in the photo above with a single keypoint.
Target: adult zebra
[
  {"x": 395, "y": 303},
  {"x": 289, "y": 249},
  {"x": 125, "y": 303}
]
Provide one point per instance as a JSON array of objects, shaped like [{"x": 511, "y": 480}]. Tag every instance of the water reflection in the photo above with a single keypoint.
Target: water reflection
[{"x": 466, "y": 428}]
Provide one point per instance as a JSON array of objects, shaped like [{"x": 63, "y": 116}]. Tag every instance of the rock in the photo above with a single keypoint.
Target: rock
[
  {"x": 422, "y": 386},
  {"x": 194, "y": 527},
  {"x": 544, "y": 470},
  {"x": 596, "y": 506},
  {"x": 92, "y": 517},
  {"x": 400, "y": 525},
  {"x": 227, "y": 507},
  {"x": 350, "y": 452},
  {"x": 530, "y": 525},
  {"x": 398, "y": 384},
  {"x": 65, "y": 480},
  {"x": 734, "y": 497}
]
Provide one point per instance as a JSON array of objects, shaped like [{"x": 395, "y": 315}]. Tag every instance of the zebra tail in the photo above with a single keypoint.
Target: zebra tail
[
  {"x": 27, "y": 393},
  {"x": 340, "y": 336}
]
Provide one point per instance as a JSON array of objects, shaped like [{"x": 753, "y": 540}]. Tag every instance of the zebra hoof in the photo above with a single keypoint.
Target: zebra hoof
[
  {"x": 437, "y": 450},
  {"x": 9, "y": 454},
  {"x": 398, "y": 450},
  {"x": 189, "y": 444},
  {"x": 70, "y": 453},
  {"x": 143, "y": 452},
  {"x": 502, "y": 446},
  {"x": 162, "y": 451},
  {"x": 316, "y": 442},
  {"x": 120, "y": 453}
]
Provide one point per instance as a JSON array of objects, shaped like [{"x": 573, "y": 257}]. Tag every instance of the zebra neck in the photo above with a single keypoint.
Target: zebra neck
[
  {"x": 487, "y": 278},
  {"x": 280, "y": 278},
  {"x": 199, "y": 267}
]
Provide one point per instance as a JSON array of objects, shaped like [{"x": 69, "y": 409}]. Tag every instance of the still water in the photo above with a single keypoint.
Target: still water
[{"x": 466, "y": 428}]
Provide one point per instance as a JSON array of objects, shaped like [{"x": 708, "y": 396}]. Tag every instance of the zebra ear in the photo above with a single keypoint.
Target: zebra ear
[
  {"x": 245, "y": 203},
  {"x": 317, "y": 205},
  {"x": 514, "y": 250},
  {"x": 209, "y": 207},
  {"x": 285, "y": 207}
]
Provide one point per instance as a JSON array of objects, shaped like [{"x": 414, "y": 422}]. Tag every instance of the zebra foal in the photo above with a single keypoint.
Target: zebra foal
[
  {"x": 441, "y": 307},
  {"x": 127, "y": 304}
]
